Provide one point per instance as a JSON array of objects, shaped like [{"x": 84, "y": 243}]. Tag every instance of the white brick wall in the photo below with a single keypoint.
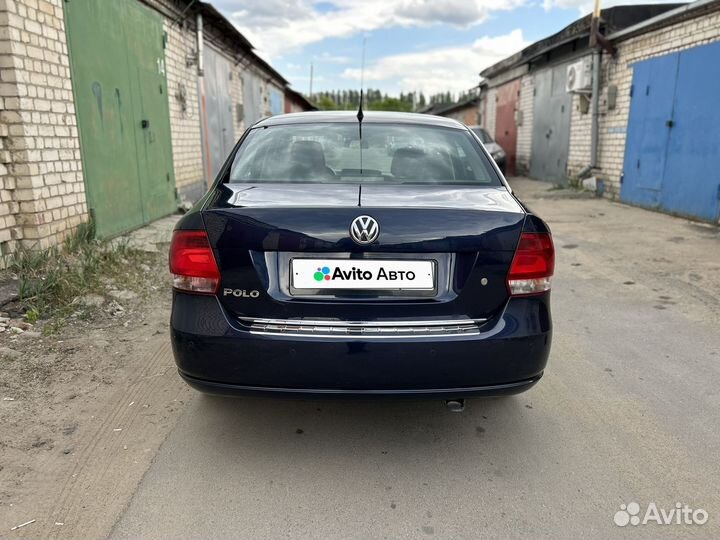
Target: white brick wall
[
  {"x": 619, "y": 71},
  {"x": 490, "y": 107},
  {"x": 43, "y": 195},
  {"x": 580, "y": 135},
  {"x": 184, "y": 108},
  {"x": 237, "y": 99},
  {"x": 526, "y": 104}
]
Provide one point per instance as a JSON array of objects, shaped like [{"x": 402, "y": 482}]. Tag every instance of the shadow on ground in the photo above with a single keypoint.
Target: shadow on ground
[{"x": 346, "y": 430}]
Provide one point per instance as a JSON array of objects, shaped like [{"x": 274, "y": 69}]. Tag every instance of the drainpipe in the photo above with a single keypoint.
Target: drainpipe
[
  {"x": 596, "y": 58},
  {"x": 203, "y": 101},
  {"x": 200, "y": 63}
]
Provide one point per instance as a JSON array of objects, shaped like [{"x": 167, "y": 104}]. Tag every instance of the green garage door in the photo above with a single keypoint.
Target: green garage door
[{"x": 118, "y": 71}]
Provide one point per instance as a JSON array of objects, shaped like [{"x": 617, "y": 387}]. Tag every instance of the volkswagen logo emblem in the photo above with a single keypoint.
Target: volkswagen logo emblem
[{"x": 364, "y": 230}]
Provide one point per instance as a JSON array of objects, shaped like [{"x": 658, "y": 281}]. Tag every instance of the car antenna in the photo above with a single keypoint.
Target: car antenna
[{"x": 360, "y": 114}]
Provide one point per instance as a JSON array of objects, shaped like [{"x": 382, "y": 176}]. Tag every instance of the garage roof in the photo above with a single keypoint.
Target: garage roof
[{"x": 612, "y": 20}]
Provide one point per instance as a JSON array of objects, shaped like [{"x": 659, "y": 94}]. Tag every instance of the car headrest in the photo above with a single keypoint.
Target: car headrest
[
  {"x": 407, "y": 163},
  {"x": 308, "y": 153}
]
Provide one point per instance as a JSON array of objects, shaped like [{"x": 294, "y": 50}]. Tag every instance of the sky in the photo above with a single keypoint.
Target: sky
[{"x": 411, "y": 45}]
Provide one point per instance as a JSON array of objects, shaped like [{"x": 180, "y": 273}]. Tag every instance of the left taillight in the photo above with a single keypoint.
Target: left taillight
[{"x": 192, "y": 263}]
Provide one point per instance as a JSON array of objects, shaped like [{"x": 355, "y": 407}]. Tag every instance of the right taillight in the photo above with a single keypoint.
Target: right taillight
[
  {"x": 192, "y": 263},
  {"x": 533, "y": 264}
]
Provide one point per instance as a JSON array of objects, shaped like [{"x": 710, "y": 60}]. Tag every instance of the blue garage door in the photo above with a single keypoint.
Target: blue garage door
[{"x": 671, "y": 157}]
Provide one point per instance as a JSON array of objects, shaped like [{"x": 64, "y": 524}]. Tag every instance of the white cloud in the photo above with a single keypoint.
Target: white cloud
[
  {"x": 442, "y": 69},
  {"x": 461, "y": 13},
  {"x": 275, "y": 26},
  {"x": 327, "y": 58}
]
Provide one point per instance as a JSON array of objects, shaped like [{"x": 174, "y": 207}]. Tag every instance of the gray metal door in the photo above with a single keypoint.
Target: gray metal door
[
  {"x": 218, "y": 132},
  {"x": 251, "y": 99},
  {"x": 551, "y": 125}
]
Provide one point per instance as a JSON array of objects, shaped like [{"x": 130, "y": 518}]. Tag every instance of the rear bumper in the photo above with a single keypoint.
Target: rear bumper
[
  {"x": 214, "y": 355},
  {"x": 223, "y": 389}
]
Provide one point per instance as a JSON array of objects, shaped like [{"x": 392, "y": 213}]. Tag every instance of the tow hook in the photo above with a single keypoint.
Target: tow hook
[{"x": 455, "y": 405}]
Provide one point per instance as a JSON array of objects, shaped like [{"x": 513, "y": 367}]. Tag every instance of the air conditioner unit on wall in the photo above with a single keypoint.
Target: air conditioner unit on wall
[{"x": 579, "y": 76}]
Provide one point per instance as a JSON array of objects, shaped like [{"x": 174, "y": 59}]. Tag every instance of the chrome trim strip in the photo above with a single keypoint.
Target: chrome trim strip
[
  {"x": 359, "y": 336},
  {"x": 308, "y": 322},
  {"x": 364, "y": 329}
]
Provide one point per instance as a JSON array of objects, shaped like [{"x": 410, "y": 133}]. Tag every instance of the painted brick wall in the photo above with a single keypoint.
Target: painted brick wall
[
  {"x": 524, "y": 130},
  {"x": 619, "y": 71},
  {"x": 41, "y": 148}
]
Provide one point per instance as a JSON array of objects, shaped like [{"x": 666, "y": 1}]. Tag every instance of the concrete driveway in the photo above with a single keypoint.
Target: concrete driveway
[{"x": 627, "y": 412}]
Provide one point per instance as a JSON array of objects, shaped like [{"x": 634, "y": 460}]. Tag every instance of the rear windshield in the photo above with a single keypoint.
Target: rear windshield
[{"x": 335, "y": 153}]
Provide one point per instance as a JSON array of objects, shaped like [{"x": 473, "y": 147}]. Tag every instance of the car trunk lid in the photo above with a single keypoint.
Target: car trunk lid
[{"x": 256, "y": 230}]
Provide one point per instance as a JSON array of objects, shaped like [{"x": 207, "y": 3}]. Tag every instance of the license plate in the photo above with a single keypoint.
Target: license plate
[{"x": 362, "y": 274}]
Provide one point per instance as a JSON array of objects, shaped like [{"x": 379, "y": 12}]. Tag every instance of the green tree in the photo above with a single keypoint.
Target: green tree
[
  {"x": 374, "y": 99},
  {"x": 391, "y": 104},
  {"x": 326, "y": 103},
  {"x": 421, "y": 101}
]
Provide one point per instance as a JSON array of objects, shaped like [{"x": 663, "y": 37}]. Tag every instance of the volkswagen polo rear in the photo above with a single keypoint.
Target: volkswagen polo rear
[{"x": 386, "y": 257}]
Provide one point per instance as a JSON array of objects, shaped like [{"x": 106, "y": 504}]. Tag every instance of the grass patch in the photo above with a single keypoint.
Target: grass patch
[{"x": 50, "y": 279}]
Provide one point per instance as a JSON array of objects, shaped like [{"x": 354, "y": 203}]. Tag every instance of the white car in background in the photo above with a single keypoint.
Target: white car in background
[{"x": 495, "y": 150}]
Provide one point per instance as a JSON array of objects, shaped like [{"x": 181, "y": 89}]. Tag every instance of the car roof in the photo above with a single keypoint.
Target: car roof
[{"x": 369, "y": 117}]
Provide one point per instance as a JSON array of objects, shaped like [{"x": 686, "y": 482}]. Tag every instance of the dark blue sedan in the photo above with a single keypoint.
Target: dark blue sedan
[{"x": 384, "y": 255}]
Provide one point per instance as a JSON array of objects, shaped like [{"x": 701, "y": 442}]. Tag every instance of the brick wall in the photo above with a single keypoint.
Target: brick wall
[
  {"x": 467, "y": 115},
  {"x": 42, "y": 191},
  {"x": 185, "y": 120},
  {"x": 580, "y": 135},
  {"x": 526, "y": 104},
  {"x": 482, "y": 109},
  {"x": 618, "y": 71},
  {"x": 237, "y": 99},
  {"x": 490, "y": 106},
  {"x": 8, "y": 206},
  {"x": 184, "y": 110},
  {"x": 43, "y": 194}
]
